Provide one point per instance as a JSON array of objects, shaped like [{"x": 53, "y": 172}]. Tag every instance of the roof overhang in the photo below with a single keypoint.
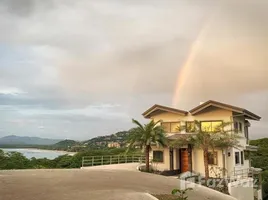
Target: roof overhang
[
  {"x": 240, "y": 111},
  {"x": 178, "y": 136},
  {"x": 159, "y": 108}
]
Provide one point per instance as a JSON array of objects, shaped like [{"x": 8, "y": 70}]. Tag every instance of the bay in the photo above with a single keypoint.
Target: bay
[{"x": 38, "y": 153}]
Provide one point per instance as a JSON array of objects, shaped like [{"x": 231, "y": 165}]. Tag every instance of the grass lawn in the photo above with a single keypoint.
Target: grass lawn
[{"x": 165, "y": 196}]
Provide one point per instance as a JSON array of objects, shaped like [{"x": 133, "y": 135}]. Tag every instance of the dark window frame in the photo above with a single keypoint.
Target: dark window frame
[
  {"x": 158, "y": 160},
  {"x": 211, "y": 124},
  {"x": 237, "y": 158},
  {"x": 240, "y": 127},
  {"x": 170, "y": 123},
  {"x": 194, "y": 128},
  {"x": 166, "y": 123},
  {"x": 177, "y": 122},
  {"x": 213, "y": 158}
]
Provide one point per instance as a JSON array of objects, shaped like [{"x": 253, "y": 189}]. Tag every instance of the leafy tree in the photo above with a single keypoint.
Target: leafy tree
[
  {"x": 208, "y": 138},
  {"x": 145, "y": 136}
]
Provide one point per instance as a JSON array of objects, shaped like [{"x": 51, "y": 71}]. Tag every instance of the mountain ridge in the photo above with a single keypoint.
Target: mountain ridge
[{"x": 27, "y": 140}]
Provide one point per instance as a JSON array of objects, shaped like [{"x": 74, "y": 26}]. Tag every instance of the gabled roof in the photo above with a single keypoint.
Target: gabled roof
[
  {"x": 157, "y": 107},
  {"x": 239, "y": 110}
]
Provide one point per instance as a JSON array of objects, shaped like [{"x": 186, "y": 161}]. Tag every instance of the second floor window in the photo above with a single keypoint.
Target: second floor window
[
  {"x": 171, "y": 127},
  {"x": 190, "y": 127},
  {"x": 238, "y": 127},
  {"x": 211, "y": 126}
]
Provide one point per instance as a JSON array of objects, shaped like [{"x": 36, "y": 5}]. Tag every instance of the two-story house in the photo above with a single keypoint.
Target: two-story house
[{"x": 210, "y": 115}]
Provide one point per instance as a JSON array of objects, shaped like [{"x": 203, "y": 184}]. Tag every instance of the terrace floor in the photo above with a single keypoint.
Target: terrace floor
[{"x": 94, "y": 183}]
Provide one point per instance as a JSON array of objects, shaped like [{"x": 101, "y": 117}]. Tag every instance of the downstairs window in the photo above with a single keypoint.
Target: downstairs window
[
  {"x": 212, "y": 158},
  {"x": 158, "y": 156}
]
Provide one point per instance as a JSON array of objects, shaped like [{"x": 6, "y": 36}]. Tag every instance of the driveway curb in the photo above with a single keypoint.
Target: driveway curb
[{"x": 151, "y": 196}]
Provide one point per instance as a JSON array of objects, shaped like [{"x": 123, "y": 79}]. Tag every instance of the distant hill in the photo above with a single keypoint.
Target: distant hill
[
  {"x": 18, "y": 140},
  {"x": 66, "y": 144},
  {"x": 103, "y": 141}
]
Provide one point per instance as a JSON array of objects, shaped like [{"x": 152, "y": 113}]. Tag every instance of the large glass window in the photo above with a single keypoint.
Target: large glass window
[
  {"x": 171, "y": 127},
  {"x": 190, "y": 127},
  {"x": 158, "y": 156},
  {"x": 212, "y": 158},
  {"x": 211, "y": 126},
  {"x": 166, "y": 126},
  {"x": 174, "y": 127},
  {"x": 237, "y": 159}
]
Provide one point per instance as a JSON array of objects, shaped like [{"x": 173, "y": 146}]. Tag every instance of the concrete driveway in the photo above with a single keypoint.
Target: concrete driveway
[{"x": 108, "y": 184}]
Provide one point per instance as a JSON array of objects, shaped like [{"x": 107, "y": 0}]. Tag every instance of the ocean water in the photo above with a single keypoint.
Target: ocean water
[{"x": 38, "y": 153}]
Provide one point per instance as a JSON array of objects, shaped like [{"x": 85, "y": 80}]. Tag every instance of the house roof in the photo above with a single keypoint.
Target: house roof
[
  {"x": 157, "y": 108},
  {"x": 224, "y": 106}
]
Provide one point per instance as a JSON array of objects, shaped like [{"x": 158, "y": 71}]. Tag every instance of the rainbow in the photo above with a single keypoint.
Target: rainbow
[{"x": 187, "y": 67}]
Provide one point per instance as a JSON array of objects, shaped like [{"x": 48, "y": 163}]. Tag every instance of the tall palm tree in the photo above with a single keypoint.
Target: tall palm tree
[
  {"x": 145, "y": 136},
  {"x": 209, "y": 139}
]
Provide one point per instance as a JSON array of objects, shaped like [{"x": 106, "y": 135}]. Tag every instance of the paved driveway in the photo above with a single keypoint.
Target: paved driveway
[{"x": 95, "y": 184}]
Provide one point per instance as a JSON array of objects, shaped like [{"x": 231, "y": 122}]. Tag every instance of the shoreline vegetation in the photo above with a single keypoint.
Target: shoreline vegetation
[{"x": 16, "y": 160}]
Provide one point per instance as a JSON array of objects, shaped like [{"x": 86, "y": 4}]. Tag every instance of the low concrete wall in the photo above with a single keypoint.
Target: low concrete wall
[{"x": 242, "y": 189}]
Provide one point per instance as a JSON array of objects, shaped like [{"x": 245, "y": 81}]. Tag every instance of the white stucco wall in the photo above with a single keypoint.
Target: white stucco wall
[
  {"x": 161, "y": 166},
  {"x": 198, "y": 162},
  {"x": 242, "y": 189}
]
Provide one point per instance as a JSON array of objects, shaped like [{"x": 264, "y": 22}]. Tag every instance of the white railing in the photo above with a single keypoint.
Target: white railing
[
  {"x": 242, "y": 173},
  {"x": 90, "y": 161}
]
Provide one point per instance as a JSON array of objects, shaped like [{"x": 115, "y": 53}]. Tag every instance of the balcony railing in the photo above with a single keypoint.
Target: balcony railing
[{"x": 90, "y": 161}]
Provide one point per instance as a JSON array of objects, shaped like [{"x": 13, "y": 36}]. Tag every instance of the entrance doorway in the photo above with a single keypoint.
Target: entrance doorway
[{"x": 184, "y": 160}]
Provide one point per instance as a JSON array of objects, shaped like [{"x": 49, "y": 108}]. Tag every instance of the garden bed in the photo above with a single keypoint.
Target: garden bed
[{"x": 165, "y": 196}]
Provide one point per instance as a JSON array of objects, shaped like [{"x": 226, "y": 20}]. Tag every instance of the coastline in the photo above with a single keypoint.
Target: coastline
[{"x": 43, "y": 150}]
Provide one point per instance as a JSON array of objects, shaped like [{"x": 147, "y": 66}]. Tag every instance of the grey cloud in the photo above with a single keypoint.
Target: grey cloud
[{"x": 73, "y": 54}]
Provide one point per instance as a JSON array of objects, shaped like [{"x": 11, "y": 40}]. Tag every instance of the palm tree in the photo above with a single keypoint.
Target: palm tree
[
  {"x": 209, "y": 139},
  {"x": 145, "y": 136}
]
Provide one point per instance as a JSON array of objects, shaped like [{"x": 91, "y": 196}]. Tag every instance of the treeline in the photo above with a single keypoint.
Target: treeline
[
  {"x": 16, "y": 160},
  {"x": 259, "y": 159}
]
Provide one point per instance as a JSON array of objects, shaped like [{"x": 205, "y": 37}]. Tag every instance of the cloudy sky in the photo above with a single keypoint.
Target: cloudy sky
[{"x": 79, "y": 69}]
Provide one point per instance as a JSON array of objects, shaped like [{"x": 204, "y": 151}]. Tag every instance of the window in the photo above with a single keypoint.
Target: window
[
  {"x": 242, "y": 158},
  {"x": 238, "y": 127},
  {"x": 166, "y": 126},
  {"x": 190, "y": 127},
  {"x": 158, "y": 156},
  {"x": 212, "y": 158},
  {"x": 175, "y": 127},
  {"x": 211, "y": 126},
  {"x": 237, "y": 159},
  {"x": 171, "y": 127}
]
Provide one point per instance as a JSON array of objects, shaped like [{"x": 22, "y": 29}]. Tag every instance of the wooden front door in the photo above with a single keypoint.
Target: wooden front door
[{"x": 184, "y": 160}]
